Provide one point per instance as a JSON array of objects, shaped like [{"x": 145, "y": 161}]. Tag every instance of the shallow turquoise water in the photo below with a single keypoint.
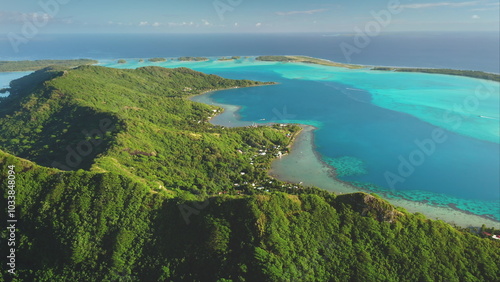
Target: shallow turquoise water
[
  {"x": 7, "y": 77},
  {"x": 424, "y": 137}
]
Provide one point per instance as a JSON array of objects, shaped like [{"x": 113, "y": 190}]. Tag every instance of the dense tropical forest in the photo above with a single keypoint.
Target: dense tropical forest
[
  {"x": 120, "y": 177},
  {"x": 11, "y": 66}
]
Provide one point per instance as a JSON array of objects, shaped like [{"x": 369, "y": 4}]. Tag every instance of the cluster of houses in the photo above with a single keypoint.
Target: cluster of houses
[{"x": 497, "y": 237}]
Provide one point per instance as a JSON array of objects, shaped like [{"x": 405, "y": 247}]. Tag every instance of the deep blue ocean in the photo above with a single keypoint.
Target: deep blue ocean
[
  {"x": 474, "y": 51},
  {"x": 359, "y": 135}
]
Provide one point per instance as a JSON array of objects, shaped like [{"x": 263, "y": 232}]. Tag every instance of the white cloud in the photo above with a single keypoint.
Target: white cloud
[
  {"x": 205, "y": 22},
  {"x": 475, "y": 17},
  {"x": 440, "y": 4},
  {"x": 308, "y": 12},
  {"x": 258, "y": 24},
  {"x": 488, "y": 7},
  {"x": 143, "y": 23},
  {"x": 235, "y": 24},
  {"x": 181, "y": 24},
  {"x": 156, "y": 24},
  {"x": 17, "y": 17}
]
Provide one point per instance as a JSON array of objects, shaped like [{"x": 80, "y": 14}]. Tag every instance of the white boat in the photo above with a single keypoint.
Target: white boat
[{"x": 487, "y": 117}]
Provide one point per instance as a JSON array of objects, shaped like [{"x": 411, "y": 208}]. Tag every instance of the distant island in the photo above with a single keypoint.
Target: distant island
[
  {"x": 229, "y": 59},
  {"x": 154, "y": 60},
  {"x": 468, "y": 73},
  {"x": 11, "y": 66},
  {"x": 310, "y": 60},
  {"x": 192, "y": 59},
  {"x": 307, "y": 60}
]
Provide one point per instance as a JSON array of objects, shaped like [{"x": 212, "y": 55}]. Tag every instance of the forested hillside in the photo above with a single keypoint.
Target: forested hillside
[{"x": 119, "y": 177}]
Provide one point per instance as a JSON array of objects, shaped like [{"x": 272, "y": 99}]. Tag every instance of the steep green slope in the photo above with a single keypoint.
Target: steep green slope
[
  {"x": 135, "y": 123},
  {"x": 150, "y": 195},
  {"x": 105, "y": 227}
]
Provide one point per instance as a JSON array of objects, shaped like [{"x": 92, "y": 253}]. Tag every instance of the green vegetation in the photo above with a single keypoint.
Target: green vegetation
[
  {"x": 468, "y": 73},
  {"x": 122, "y": 61},
  {"x": 155, "y": 130},
  {"x": 307, "y": 60},
  {"x": 275, "y": 58},
  {"x": 10, "y": 66},
  {"x": 154, "y": 192},
  {"x": 192, "y": 59},
  {"x": 229, "y": 59},
  {"x": 154, "y": 60}
]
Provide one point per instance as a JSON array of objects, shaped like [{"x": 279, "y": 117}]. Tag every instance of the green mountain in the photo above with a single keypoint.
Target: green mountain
[{"x": 120, "y": 177}]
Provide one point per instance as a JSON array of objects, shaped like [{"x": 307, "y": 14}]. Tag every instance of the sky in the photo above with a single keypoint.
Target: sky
[{"x": 245, "y": 16}]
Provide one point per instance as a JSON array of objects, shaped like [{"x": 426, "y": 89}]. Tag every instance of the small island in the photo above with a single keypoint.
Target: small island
[
  {"x": 155, "y": 60},
  {"x": 229, "y": 59},
  {"x": 307, "y": 60},
  {"x": 12, "y": 66},
  {"x": 122, "y": 61},
  {"x": 192, "y": 59}
]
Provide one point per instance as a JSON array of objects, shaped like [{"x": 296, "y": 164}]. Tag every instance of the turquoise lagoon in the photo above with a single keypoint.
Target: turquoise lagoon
[
  {"x": 423, "y": 137},
  {"x": 7, "y": 77}
]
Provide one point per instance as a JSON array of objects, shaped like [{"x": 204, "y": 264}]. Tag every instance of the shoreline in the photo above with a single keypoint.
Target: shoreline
[
  {"x": 482, "y": 75},
  {"x": 305, "y": 59},
  {"x": 304, "y": 166},
  {"x": 303, "y": 147}
]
